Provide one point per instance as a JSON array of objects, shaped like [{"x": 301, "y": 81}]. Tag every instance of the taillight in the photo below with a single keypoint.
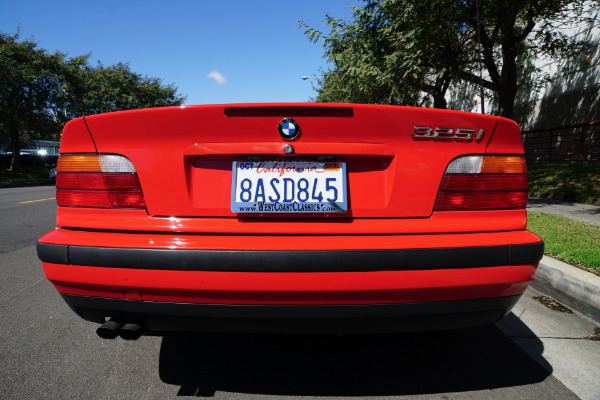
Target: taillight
[
  {"x": 484, "y": 183},
  {"x": 92, "y": 180}
]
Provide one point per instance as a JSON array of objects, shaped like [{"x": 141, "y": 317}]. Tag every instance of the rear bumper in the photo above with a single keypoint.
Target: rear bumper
[
  {"x": 324, "y": 319},
  {"x": 253, "y": 283}
]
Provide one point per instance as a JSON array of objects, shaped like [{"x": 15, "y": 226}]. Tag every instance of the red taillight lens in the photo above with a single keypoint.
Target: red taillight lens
[
  {"x": 480, "y": 200},
  {"x": 85, "y": 181},
  {"x": 82, "y": 198},
  {"x": 484, "y": 183},
  {"x": 91, "y": 180},
  {"x": 126, "y": 199},
  {"x": 122, "y": 182}
]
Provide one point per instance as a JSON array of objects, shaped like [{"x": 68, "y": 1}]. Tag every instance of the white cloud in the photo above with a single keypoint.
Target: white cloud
[{"x": 217, "y": 77}]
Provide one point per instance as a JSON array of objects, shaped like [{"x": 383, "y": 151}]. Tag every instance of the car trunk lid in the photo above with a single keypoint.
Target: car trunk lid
[{"x": 394, "y": 157}]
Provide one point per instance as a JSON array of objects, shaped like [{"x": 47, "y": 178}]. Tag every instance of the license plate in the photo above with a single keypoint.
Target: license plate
[{"x": 288, "y": 186}]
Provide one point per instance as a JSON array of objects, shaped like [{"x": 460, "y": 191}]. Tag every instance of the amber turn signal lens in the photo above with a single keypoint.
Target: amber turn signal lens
[
  {"x": 504, "y": 165},
  {"x": 78, "y": 163}
]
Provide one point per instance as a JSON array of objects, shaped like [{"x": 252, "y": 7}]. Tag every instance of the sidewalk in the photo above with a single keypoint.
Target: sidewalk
[
  {"x": 569, "y": 285},
  {"x": 587, "y": 213}
]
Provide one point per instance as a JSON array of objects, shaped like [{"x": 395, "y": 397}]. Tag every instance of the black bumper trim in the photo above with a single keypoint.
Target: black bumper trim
[
  {"x": 53, "y": 253},
  {"x": 347, "y": 318},
  {"x": 292, "y": 260},
  {"x": 524, "y": 253}
]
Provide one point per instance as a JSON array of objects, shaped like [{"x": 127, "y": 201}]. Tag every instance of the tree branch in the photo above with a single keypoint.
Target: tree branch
[
  {"x": 469, "y": 76},
  {"x": 528, "y": 28},
  {"x": 487, "y": 44}
]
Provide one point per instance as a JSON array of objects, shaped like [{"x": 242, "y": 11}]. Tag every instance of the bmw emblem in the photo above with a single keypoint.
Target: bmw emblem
[{"x": 289, "y": 129}]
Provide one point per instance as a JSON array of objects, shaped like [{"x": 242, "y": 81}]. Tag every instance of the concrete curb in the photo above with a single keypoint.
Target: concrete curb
[{"x": 571, "y": 286}]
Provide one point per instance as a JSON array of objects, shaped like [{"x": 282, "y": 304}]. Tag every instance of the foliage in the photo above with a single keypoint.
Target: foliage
[
  {"x": 512, "y": 31},
  {"x": 29, "y": 84},
  {"x": 40, "y": 92},
  {"x": 382, "y": 56},
  {"x": 392, "y": 51},
  {"x": 568, "y": 240},
  {"x": 100, "y": 89},
  {"x": 565, "y": 182}
]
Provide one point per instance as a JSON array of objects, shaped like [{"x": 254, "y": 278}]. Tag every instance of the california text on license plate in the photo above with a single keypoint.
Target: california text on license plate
[{"x": 288, "y": 186}]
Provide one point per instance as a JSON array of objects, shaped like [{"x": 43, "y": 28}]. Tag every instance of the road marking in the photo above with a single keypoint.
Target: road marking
[{"x": 33, "y": 201}]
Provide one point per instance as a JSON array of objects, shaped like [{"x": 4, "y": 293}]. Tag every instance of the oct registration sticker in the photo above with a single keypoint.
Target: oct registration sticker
[{"x": 288, "y": 185}]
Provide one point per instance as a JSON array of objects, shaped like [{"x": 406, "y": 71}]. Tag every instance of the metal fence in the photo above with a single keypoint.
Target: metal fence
[{"x": 569, "y": 144}]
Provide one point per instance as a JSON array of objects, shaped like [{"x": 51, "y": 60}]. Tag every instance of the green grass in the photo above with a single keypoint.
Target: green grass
[
  {"x": 24, "y": 175},
  {"x": 565, "y": 182},
  {"x": 567, "y": 240}
]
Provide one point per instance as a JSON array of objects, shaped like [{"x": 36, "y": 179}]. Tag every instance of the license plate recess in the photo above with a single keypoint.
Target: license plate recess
[{"x": 289, "y": 185}]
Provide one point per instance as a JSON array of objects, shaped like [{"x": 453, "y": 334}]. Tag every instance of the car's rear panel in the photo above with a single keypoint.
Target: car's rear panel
[
  {"x": 185, "y": 245},
  {"x": 183, "y": 156}
]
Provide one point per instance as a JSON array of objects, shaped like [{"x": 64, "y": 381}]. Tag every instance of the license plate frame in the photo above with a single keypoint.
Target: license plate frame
[{"x": 289, "y": 185}]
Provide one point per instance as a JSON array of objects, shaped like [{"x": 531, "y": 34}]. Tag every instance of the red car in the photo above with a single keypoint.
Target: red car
[{"x": 290, "y": 217}]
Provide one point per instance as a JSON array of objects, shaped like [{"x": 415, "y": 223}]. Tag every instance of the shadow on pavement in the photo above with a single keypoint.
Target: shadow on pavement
[{"x": 399, "y": 364}]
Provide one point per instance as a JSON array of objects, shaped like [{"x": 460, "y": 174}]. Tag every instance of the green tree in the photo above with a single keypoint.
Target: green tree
[
  {"x": 365, "y": 66},
  {"x": 513, "y": 30},
  {"x": 391, "y": 51},
  {"x": 100, "y": 89},
  {"x": 29, "y": 85},
  {"x": 40, "y": 92}
]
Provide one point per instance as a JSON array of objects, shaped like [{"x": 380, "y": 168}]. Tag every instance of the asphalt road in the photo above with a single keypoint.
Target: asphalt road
[{"x": 46, "y": 351}]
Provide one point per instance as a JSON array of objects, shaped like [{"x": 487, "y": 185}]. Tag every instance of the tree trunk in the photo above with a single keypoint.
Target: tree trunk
[
  {"x": 439, "y": 91},
  {"x": 507, "y": 92},
  {"x": 439, "y": 101},
  {"x": 508, "y": 76},
  {"x": 15, "y": 160},
  {"x": 506, "y": 102}
]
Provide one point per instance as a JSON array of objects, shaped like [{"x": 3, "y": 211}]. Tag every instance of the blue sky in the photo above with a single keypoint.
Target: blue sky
[{"x": 255, "y": 45}]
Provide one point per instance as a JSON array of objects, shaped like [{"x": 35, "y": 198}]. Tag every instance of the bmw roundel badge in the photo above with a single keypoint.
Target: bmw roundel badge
[{"x": 289, "y": 129}]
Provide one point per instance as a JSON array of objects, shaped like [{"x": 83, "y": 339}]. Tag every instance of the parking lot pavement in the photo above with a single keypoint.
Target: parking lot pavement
[{"x": 588, "y": 213}]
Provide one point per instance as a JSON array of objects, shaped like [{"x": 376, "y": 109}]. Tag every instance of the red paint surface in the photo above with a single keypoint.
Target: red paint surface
[
  {"x": 76, "y": 138},
  {"x": 292, "y": 288},
  {"x": 439, "y": 222}
]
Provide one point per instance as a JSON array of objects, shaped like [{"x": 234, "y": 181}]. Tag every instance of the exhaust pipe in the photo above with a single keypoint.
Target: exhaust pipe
[
  {"x": 130, "y": 331},
  {"x": 109, "y": 329}
]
